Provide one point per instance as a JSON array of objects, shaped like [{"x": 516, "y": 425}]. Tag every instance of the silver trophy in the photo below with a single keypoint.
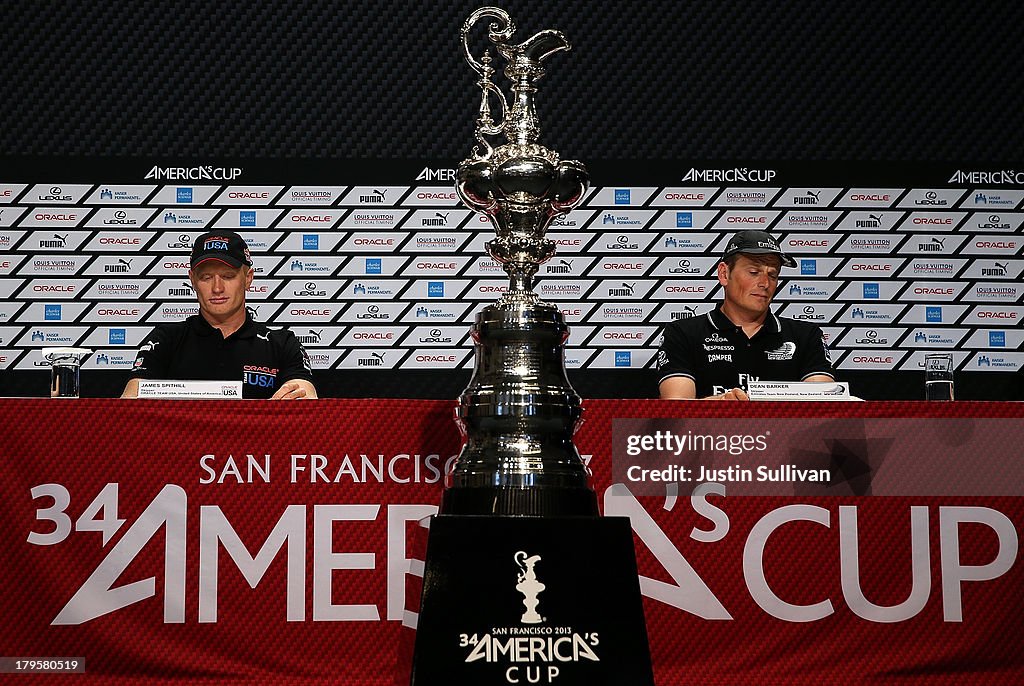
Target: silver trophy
[
  {"x": 65, "y": 364},
  {"x": 519, "y": 412},
  {"x": 519, "y": 490}
]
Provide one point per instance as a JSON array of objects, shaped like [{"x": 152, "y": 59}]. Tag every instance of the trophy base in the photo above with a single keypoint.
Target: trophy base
[
  {"x": 531, "y": 600},
  {"x": 520, "y": 502}
]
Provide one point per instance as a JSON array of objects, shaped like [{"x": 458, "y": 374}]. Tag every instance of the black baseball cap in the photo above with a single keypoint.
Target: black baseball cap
[
  {"x": 756, "y": 243},
  {"x": 226, "y": 246}
]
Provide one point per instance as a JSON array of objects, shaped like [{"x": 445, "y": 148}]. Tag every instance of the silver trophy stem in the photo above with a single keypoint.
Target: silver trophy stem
[{"x": 519, "y": 412}]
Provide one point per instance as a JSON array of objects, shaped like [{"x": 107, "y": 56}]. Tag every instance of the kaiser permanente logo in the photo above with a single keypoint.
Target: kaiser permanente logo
[
  {"x": 194, "y": 173},
  {"x": 739, "y": 174}
]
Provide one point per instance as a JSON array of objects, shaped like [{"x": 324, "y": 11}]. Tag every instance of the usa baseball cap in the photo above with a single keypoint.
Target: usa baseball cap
[
  {"x": 226, "y": 246},
  {"x": 756, "y": 243}
]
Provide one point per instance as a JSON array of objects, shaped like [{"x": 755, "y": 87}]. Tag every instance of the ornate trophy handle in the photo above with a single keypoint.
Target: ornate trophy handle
[
  {"x": 519, "y": 122},
  {"x": 498, "y": 32}
]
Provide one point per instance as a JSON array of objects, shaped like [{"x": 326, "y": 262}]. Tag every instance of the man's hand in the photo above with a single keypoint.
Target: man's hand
[
  {"x": 296, "y": 389},
  {"x": 734, "y": 394},
  {"x": 131, "y": 389}
]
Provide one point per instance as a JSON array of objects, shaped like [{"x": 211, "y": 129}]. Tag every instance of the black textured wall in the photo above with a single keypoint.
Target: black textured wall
[{"x": 696, "y": 80}]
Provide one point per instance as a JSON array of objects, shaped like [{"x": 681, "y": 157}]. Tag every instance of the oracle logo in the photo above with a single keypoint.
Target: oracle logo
[
  {"x": 298, "y": 312},
  {"x": 5, "y": 265},
  {"x": 374, "y": 241},
  {"x": 623, "y": 265},
  {"x": 257, "y": 289},
  {"x": 684, "y": 196},
  {"x": 176, "y": 265},
  {"x": 922, "y": 290},
  {"x": 5, "y": 193},
  {"x": 248, "y": 195},
  {"x": 106, "y": 312},
  {"x": 873, "y": 359},
  {"x": 435, "y": 358},
  {"x": 568, "y": 242},
  {"x": 373, "y": 336},
  {"x": 685, "y": 289},
  {"x": 311, "y": 218},
  {"x": 46, "y": 217},
  {"x": 871, "y": 267},
  {"x": 873, "y": 197},
  {"x": 800, "y": 242},
  {"x": 436, "y": 196},
  {"x": 746, "y": 220},
  {"x": 933, "y": 220},
  {"x": 572, "y": 313},
  {"x": 618, "y": 335},
  {"x": 51, "y": 288},
  {"x": 120, "y": 241},
  {"x": 436, "y": 265},
  {"x": 997, "y": 245},
  {"x": 493, "y": 289},
  {"x": 986, "y": 314}
]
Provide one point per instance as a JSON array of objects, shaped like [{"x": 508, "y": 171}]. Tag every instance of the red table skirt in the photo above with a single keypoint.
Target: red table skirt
[{"x": 280, "y": 543}]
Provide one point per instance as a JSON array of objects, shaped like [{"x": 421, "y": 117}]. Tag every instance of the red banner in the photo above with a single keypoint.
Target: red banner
[{"x": 229, "y": 541}]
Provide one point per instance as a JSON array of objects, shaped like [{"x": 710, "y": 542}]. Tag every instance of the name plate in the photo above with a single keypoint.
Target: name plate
[
  {"x": 799, "y": 390},
  {"x": 193, "y": 390}
]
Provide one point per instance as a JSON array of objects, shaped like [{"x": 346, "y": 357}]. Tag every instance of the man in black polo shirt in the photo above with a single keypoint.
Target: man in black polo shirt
[
  {"x": 222, "y": 342},
  {"x": 714, "y": 356}
]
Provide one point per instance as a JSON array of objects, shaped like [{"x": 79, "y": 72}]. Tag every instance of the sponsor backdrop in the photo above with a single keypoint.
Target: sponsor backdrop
[
  {"x": 301, "y": 87},
  {"x": 282, "y": 547},
  {"x": 378, "y": 269}
]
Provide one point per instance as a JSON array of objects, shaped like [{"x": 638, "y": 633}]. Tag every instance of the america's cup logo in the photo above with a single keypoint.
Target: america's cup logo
[{"x": 529, "y": 586}]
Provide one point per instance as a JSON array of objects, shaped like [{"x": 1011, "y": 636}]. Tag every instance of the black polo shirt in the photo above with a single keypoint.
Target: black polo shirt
[
  {"x": 718, "y": 356},
  {"x": 261, "y": 358}
]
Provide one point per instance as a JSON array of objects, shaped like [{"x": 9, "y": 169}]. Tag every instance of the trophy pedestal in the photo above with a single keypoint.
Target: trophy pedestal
[{"x": 531, "y": 600}]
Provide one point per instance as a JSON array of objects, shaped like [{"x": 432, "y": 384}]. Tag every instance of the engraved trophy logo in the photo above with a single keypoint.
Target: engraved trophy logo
[{"x": 529, "y": 586}]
